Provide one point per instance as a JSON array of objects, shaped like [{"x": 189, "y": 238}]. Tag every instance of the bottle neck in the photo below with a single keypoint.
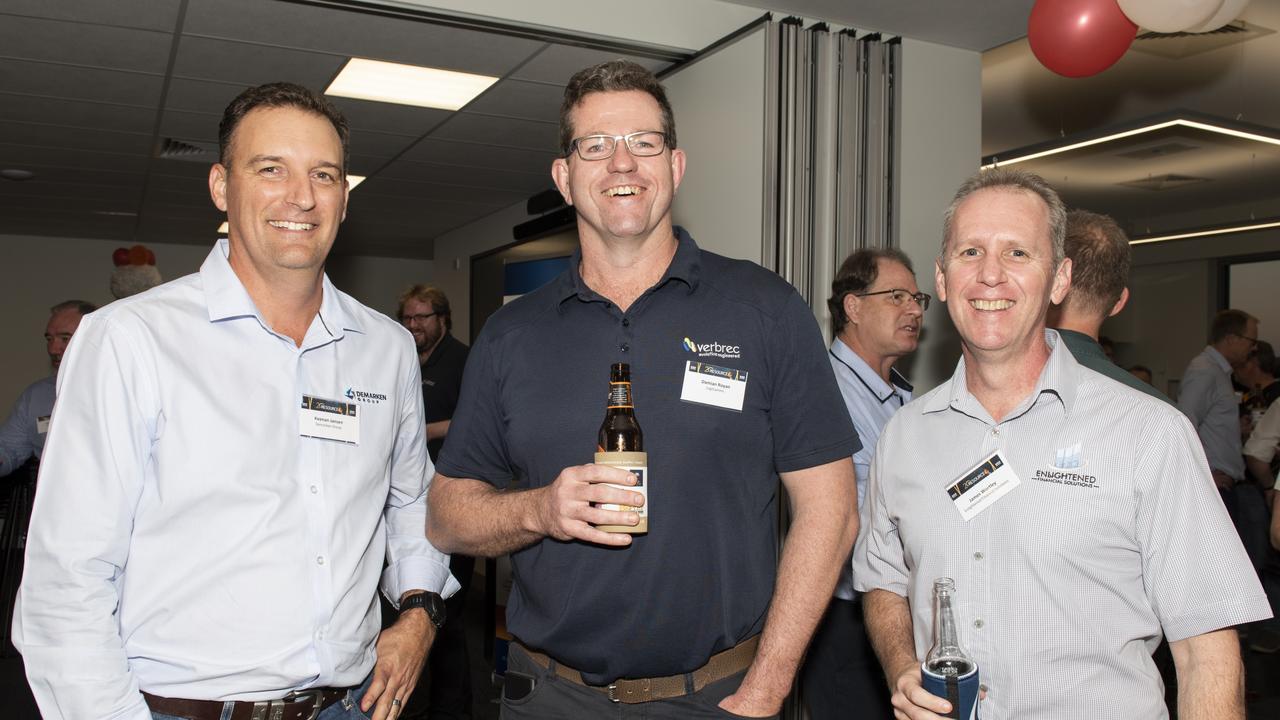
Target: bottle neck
[{"x": 946, "y": 636}]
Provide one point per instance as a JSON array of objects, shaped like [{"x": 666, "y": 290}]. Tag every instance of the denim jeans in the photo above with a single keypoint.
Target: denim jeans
[{"x": 348, "y": 708}]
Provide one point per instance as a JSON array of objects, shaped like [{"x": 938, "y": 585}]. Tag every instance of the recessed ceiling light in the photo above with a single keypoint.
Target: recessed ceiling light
[
  {"x": 353, "y": 180},
  {"x": 407, "y": 84},
  {"x": 16, "y": 175},
  {"x": 1219, "y": 128},
  {"x": 1241, "y": 228}
]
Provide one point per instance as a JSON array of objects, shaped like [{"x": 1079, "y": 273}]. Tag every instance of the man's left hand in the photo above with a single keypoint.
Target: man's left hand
[{"x": 402, "y": 651}]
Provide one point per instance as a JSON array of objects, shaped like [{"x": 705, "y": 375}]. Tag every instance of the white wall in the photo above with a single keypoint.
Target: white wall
[
  {"x": 453, "y": 253},
  {"x": 45, "y": 271},
  {"x": 941, "y": 147}
]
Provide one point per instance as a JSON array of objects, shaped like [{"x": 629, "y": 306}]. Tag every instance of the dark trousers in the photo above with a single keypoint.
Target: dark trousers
[
  {"x": 554, "y": 698},
  {"x": 841, "y": 677}
]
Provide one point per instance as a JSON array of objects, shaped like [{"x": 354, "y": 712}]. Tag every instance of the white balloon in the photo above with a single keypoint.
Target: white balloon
[
  {"x": 1229, "y": 11},
  {"x": 1169, "y": 16}
]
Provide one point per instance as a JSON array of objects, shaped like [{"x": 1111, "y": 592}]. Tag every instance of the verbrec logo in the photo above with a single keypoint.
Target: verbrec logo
[
  {"x": 713, "y": 349},
  {"x": 365, "y": 397}
]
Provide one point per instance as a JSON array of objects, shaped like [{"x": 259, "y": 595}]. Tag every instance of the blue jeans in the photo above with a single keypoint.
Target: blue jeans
[{"x": 348, "y": 708}]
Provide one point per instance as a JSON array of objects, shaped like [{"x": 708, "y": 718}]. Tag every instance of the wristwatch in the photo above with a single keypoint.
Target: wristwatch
[{"x": 431, "y": 602}]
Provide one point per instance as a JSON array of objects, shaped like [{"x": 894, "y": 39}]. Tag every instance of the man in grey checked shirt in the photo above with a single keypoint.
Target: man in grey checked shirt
[{"x": 1101, "y": 530}]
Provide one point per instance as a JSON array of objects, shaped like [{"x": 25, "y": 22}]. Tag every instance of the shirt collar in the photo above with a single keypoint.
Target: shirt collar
[
  {"x": 1059, "y": 379},
  {"x": 870, "y": 378},
  {"x": 685, "y": 267},
  {"x": 1218, "y": 358},
  {"x": 226, "y": 297}
]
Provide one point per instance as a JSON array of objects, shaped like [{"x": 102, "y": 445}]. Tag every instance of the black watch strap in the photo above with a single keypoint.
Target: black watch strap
[{"x": 430, "y": 602}]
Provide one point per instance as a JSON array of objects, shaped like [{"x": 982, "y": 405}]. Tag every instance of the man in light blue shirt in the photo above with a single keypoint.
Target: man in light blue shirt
[
  {"x": 1207, "y": 399},
  {"x": 22, "y": 435},
  {"x": 234, "y": 454},
  {"x": 876, "y": 313}
]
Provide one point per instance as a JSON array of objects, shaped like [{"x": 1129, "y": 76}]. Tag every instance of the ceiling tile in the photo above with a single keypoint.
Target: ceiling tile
[
  {"x": 445, "y": 152},
  {"x": 103, "y": 116},
  {"x": 359, "y": 34},
  {"x": 21, "y": 155},
  {"x": 77, "y": 83},
  {"x": 514, "y": 98},
  {"x": 389, "y": 118},
  {"x": 374, "y": 144},
  {"x": 98, "y": 46},
  {"x": 248, "y": 64},
  {"x": 56, "y": 136},
  {"x": 391, "y": 193},
  {"x": 467, "y": 176},
  {"x": 505, "y": 132},
  {"x": 557, "y": 63},
  {"x": 192, "y": 126},
  {"x": 41, "y": 187},
  {"x": 201, "y": 96},
  {"x": 56, "y": 223},
  {"x": 149, "y": 14}
]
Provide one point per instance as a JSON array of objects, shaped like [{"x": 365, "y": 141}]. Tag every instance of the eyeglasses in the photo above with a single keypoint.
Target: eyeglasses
[
  {"x": 601, "y": 147},
  {"x": 898, "y": 296},
  {"x": 411, "y": 319},
  {"x": 1253, "y": 341}
]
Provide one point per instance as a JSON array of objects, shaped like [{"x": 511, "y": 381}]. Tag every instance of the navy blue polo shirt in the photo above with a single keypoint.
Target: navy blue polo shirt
[{"x": 533, "y": 397}]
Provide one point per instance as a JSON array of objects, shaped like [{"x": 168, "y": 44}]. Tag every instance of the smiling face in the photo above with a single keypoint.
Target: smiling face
[
  {"x": 283, "y": 190},
  {"x": 878, "y": 329},
  {"x": 997, "y": 275},
  {"x": 624, "y": 196}
]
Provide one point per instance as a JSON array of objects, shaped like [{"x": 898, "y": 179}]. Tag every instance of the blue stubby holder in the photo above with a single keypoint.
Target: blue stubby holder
[{"x": 961, "y": 690}]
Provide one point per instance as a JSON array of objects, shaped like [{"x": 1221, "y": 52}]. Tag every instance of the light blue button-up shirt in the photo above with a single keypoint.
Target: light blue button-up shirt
[
  {"x": 22, "y": 435},
  {"x": 871, "y": 402},
  {"x": 186, "y": 539}
]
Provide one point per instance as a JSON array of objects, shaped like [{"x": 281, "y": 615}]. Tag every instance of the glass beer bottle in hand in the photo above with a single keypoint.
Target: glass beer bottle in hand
[
  {"x": 947, "y": 671},
  {"x": 621, "y": 443}
]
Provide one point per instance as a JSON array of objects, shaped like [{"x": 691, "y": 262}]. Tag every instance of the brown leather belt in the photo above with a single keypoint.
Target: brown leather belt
[
  {"x": 299, "y": 705},
  {"x": 641, "y": 690}
]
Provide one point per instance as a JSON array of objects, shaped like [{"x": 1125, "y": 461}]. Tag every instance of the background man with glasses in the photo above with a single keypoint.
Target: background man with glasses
[
  {"x": 1207, "y": 399},
  {"x": 687, "y": 618},
  {"x": 876, "y": 313}
]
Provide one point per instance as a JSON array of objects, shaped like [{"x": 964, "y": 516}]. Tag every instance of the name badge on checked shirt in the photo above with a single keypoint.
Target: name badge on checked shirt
[
  {"x": 982, "y": 486},
  {"x": 329, "y": 420}
]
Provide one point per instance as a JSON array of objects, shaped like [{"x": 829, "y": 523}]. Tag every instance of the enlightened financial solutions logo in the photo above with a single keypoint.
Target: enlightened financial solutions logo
[{"x": 713, "y": 349}]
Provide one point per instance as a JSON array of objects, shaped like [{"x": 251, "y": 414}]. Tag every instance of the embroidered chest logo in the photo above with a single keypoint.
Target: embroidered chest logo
[
  {"x": 364, "y": 397},
  {"x": 1066, "y": 460},
  {"x": 713, "y": 349}
]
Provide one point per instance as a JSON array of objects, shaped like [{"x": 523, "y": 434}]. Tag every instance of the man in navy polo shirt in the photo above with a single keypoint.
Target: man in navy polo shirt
[{"x": 697, "y": 616}]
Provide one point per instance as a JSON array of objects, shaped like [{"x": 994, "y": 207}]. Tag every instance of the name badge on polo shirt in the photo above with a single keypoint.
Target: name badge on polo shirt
[
  {"x": 329, "y": 420},
  {"x": 42, "y": 425},
  {"x": 979, "y": 488},
  {"x": 713, "y": 385}
]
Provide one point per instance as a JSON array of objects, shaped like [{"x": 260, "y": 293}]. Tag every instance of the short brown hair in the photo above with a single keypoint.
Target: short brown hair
[
  {"x": 1229, "y": 322},
  {"x": 81, "y": 306},
  {"x": 612, "y": 76},
  {"x": 857, "y": 273},
  {"x": 432, "y": 296},
  {"x": 278, "y": 95},
  {"x": 1014, "y": 181},
  {"x": 1100, "y": 258}
]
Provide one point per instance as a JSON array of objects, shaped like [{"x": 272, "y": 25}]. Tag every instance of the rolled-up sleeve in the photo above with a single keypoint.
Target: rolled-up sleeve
[
  {"x": 413, "y": 563},
  {"x": 91, "y": 476},
  {"x": 878, "y": 557}
]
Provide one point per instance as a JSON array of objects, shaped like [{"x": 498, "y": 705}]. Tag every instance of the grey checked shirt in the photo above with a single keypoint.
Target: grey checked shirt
[{"x": 1115, "y": 535}]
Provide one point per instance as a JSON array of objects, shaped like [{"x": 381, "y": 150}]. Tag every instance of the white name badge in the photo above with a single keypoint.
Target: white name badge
[
  {"x": 329, "y": 420},
  {"x": 712, "y": 385},
  {"x": 986, "y": 483},
  {"x": 42, "y": 425}
]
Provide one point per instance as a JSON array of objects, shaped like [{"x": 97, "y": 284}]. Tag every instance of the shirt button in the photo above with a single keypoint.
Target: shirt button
[
  {"x": 625, "y": 347},
  {"x": 319, "y": 559},
  {"x": 982, "y": 687},
  {"x": 977, "y": 555},
  {"x": 626, "y": 322},
  {"x": 995, "y": 432},
  {"x": 978, "y": 623},
  {"x": 314, "y": 490}
]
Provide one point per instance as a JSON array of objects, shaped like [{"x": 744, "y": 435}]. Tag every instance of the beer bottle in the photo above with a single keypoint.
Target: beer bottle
[
  {"x": 947, "y": 671},
  {"x": 620, "y": 443}
]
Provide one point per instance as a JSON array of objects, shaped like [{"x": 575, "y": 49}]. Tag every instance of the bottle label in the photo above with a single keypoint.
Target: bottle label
[
  {"x": 619, "y": 395},
  {"x": 638, "y": 464}
]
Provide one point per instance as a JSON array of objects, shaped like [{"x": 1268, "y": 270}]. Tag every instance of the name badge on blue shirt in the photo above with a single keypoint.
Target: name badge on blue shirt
[
  {"x": 329, "y": 420},
  {"x": 713, "y": 385},
  {"x": 979, "y": 488},
  {"x": 42, "y": 425}
]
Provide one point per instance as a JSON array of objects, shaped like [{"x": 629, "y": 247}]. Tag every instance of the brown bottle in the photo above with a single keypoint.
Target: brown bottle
[{"x": 621, "y": 443}]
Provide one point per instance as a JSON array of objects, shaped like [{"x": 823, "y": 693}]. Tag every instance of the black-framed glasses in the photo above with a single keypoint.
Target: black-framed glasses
[
  {"x": 411, "y": 319},
  {"x": 898, "y": 296},
  {"x": 1253, "y": 341},
  {"x": 601, "y": 147}
]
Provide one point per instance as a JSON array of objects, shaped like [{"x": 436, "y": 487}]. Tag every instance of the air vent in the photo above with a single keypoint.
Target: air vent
[
  {"x": 1184, "y": 44},
  {"x": 188, "y": 150},
  {"x": 1157, "y": 151},
  {"x": 1170, "y": 181}
]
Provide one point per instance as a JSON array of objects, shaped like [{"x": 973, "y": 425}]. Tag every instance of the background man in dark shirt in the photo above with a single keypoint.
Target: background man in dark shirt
[{"x": 424, "y": 311}]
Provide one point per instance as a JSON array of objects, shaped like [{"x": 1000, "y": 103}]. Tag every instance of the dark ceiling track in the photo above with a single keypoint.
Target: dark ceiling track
[{"x": 501, "y": 28}]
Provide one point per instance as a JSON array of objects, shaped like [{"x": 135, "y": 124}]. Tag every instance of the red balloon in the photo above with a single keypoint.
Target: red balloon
[
  {"x": 1079, "y": 38},
  {"x": 120, "y": 257}
]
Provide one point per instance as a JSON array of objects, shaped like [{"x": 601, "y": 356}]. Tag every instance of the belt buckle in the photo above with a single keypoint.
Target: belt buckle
[
  {"x": 613, "y": 693},
  {"x": 303, "y": 695}
]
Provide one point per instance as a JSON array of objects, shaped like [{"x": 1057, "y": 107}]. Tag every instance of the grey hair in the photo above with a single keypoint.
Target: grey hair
[{"x": 1013, "y": 181}]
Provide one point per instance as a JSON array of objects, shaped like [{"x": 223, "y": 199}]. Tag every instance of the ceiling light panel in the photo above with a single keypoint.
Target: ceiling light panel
[{"x": 379, "y": 81}]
